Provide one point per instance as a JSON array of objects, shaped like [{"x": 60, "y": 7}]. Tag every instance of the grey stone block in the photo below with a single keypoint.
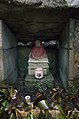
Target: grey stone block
[
  {"x": 9, "y": 39},
  {"x": 1, "y": 66},
  {"x": 71, "y": 64}
]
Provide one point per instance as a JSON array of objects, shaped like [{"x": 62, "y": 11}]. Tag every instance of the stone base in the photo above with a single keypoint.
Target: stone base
[
  {"x": 42, "y": 63},
  {"x": 31, "y": 69},
  {"x": 34, "y": 85}
]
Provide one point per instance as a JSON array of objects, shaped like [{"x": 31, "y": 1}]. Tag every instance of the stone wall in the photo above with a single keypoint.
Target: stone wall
[
  {"x": 23, "y": 56},
  {"x": 64, "y": 56},
  {"x": 69, "y": 54},
  {"x": 9, "y": 52},
  {"x": 73, "y": 82},
  {"x": 71, "y": 49},
  {"x": 1, "y": 54},
  {"x": 76, "y": 50},
  {"x": 53, "y": 57}
]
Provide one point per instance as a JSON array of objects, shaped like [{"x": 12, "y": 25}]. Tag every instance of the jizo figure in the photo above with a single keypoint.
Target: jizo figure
[{"x": 38, "y": 52}]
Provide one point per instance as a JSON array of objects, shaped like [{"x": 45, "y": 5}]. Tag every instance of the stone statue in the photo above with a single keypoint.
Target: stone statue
[{"x": 38, "y": 51}]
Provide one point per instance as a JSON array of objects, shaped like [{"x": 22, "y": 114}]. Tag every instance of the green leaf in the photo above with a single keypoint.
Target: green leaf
[
  {"x": 54, "y": 94},
  {"x": 60, "y": 109},
  {"x": 5, "y": 92},
  {"x": 47, "y": 114},
  {"x": 11, "y": 91},
  {"x": 12, "y": 116},
  {"x": 6, "y": 105},
  {"x": 60, "y": 115},
  {"x": 30, "y": 116}
]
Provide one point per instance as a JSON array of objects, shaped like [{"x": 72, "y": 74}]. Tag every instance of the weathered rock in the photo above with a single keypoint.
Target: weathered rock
[
  {"x": 73, "y": 3},
  {"x": 42, "y": 3}
]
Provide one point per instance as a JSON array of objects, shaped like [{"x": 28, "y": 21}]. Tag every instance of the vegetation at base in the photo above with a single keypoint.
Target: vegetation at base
[{"x": 61, "y": 105}]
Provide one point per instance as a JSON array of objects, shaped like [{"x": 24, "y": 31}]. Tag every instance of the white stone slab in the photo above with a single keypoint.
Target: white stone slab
[
  {"x": 31, "y": 71},
  {"x": 44, "y": 60},
  {"x": 32, "y": 65},
  {"x": 41, "y": 63}
]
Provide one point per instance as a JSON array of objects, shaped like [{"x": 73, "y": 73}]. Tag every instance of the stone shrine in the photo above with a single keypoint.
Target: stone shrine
[
  {"x": 38, "y": 59},
  {"x": 39, "y": 77}
]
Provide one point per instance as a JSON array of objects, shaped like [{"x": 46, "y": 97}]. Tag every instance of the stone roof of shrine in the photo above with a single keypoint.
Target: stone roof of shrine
[
  {"x": 31, "y": 19},
  {"x": 38, "y": 3},
  {"x": 44, "y": 3}
]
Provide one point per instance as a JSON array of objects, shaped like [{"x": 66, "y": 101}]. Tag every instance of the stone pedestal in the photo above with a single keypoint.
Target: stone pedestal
[
  {"x": 34, "y": 85},
  {"x": 42, "y": 63}
]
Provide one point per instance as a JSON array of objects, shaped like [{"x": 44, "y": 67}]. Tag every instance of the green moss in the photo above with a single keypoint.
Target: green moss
[{"x": 74, "y": 86}]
